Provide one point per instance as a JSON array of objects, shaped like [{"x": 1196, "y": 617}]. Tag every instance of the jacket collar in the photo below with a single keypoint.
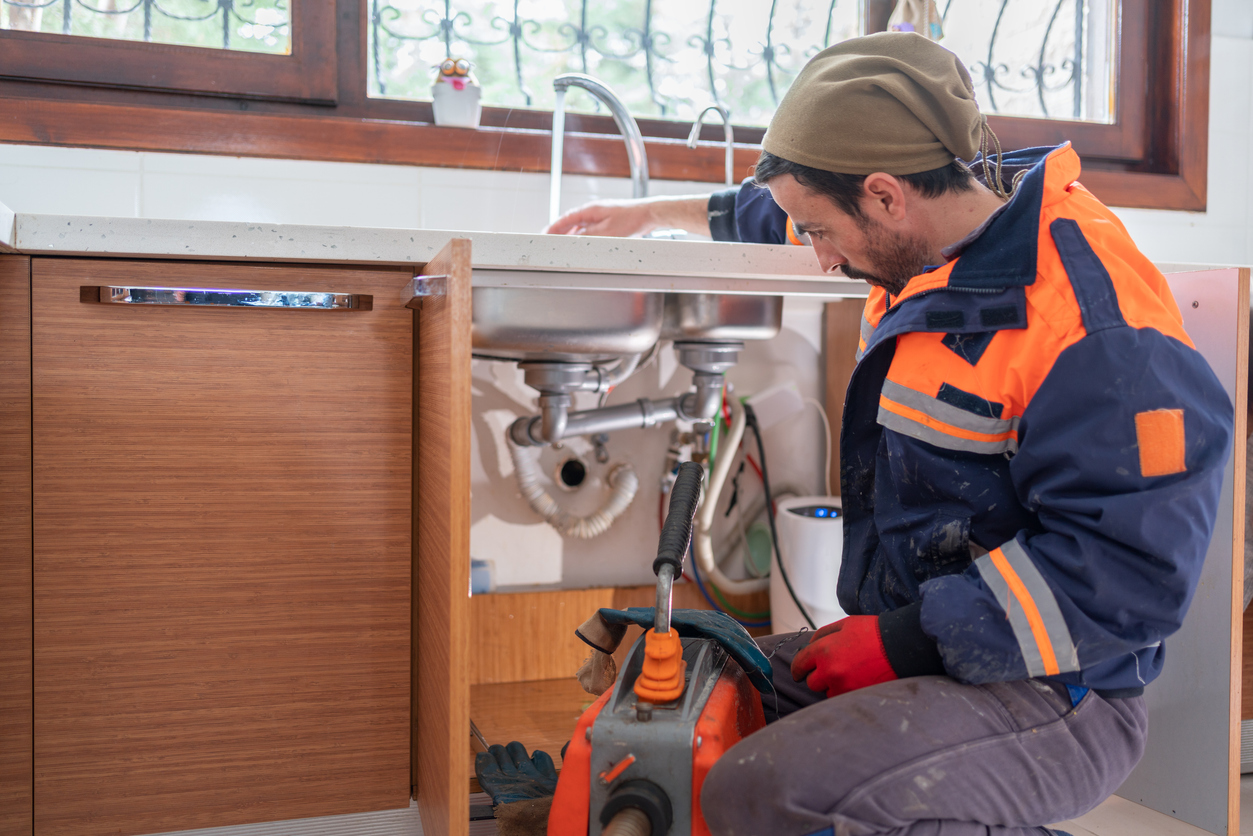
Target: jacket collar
[{"x": 1003, "y": 253}]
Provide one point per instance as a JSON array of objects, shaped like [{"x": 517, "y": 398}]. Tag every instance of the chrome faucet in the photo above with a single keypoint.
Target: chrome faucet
[
  {"x": 626, "y": 126},
  {"x": 727, "y": 131}
]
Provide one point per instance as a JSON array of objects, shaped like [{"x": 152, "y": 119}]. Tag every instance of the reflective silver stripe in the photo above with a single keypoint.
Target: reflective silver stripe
[
  {"x": 1045, "y": 603},
  {"x": 913, "y": 429},
  {"x": 867, "y": 331},
  {"x": 1017, "y": 618},
  {"x": 946, "y": 412},
  {"x": 950, "y": 415}
]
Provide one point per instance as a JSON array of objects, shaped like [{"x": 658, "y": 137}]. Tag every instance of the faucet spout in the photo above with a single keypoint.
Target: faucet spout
[
  {"x": 727, "y": 131},
  {"x": 627, "y": 126}
]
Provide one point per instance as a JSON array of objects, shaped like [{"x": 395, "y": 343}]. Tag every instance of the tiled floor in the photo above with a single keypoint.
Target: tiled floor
[{"x": 1119, "y": 817}]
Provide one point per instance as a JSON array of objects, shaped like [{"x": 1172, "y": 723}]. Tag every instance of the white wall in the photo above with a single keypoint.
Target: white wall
[
  {"x": 82, "y": 181},
  {"x": 142, "y": 184}
]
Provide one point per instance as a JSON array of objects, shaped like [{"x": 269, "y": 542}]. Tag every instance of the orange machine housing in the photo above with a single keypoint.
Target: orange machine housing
[{"x": 732, "y": 712}]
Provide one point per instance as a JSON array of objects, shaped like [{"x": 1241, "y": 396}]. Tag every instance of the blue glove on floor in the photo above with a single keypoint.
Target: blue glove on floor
[{"x": 507, "y": 774}]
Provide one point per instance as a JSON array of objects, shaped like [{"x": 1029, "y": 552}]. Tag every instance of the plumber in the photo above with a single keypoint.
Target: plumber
[{"x": 1031, "y": 458}]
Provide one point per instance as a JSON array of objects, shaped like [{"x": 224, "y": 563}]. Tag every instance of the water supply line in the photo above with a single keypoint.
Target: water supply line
[
  {"x": 622, "y": 481},
  {"x": 702, "y": 541}
]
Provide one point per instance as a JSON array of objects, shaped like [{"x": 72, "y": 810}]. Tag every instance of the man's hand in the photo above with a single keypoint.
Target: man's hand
[
  {"x": 633, "y": 218},
  {"x": 843, "y": 657}
]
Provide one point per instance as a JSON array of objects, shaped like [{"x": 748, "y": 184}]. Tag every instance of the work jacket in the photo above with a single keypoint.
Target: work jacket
[{"x": 1032, "y": 449}]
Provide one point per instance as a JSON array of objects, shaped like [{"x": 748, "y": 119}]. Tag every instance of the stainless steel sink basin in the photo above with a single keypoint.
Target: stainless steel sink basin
[
  {"x": 578, "y": 325},
  {"x": 598, "y": 325},
  {"x": 712, "y": 316}
]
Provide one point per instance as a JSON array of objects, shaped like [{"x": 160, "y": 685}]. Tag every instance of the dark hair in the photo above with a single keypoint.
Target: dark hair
[{"x": 845, "y": 190}]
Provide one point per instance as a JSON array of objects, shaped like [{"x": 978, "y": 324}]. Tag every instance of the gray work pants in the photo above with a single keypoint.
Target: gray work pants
[{"x": 926, "y": 756}]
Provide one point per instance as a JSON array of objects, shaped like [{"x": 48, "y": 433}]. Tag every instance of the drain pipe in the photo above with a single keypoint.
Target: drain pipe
[{"x": 709, "y": 363}]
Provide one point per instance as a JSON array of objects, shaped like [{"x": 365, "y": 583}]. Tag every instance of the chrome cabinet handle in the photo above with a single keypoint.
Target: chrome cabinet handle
[{"x": 225, "y": 298}]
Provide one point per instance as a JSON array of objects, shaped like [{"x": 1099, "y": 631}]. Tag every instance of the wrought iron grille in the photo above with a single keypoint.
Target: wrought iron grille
[
  {"x": 1038, "y": 58},
  {"x": 244, "y": 25}
]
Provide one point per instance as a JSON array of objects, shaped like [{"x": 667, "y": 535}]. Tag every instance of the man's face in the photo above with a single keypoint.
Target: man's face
[{"x": 879, "y": 250}]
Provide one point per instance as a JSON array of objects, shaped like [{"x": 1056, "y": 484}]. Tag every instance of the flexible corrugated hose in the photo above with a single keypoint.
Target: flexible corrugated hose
[{"x": 622, "y": 480}]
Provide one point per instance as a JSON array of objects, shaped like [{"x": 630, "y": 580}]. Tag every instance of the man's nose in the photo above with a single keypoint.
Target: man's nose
[{"x": 829, "y": 258}]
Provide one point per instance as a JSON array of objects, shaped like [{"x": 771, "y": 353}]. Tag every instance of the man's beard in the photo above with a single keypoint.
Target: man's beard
[{"x": 894, "y": 260}]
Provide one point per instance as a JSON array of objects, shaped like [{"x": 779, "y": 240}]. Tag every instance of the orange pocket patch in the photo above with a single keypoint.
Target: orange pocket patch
[{"x": 1160, "y": 436}]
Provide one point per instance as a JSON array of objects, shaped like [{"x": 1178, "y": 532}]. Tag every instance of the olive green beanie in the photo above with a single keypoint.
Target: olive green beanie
[{"x": 893, "y": 102}]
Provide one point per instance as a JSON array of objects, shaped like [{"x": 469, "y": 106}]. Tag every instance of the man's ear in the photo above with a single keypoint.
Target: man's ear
[{"x": 883, "y": 197}]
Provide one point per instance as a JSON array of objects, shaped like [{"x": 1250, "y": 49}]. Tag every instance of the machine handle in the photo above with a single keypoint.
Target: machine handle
[
  {"x": 225, "y": 298},
  {"x": 676, "y": 534}
]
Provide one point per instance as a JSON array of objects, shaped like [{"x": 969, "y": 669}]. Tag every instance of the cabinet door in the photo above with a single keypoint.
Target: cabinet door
[
  {"x": 15, "y": 545},
  {"x": 222, "y": 501},
  {"x": 441, "y": 764}
]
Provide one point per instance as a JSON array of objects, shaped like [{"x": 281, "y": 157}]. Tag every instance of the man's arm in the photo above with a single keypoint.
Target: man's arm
[
  {"x": 741, "y": 213},
  {"x": 1113, "y": 567},
  {"x": 632, "y": 218}
]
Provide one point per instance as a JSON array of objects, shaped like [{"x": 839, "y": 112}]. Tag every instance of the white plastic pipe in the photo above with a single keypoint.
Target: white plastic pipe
[
  {"x": 622, "y": 480},
  {"x": 703, "y": 536}
]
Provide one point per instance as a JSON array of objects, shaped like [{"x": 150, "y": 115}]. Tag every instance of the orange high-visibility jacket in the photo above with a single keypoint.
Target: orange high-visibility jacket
[{"x": 1032, "y": 449}]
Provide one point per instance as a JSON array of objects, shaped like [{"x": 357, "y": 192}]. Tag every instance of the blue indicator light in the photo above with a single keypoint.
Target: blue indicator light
[{"x": 821, "y": 512}]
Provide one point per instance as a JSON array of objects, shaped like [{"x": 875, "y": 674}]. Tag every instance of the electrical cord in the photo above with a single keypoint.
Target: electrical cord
[
  {"x": 701, "y": 586},
  {"x": 750, "y": 419}
]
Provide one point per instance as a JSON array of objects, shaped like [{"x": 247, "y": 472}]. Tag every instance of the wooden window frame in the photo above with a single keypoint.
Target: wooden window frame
[
  {"x": 1154, "y": 156},
  {"x": 307, "y": 75}
]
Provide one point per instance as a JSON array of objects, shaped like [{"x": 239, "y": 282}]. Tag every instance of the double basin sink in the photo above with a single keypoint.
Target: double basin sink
[{"x": 599, "y": 325}]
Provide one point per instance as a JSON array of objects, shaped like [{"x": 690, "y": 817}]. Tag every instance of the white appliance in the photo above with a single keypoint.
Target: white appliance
[{"x": 811, "y": 542}]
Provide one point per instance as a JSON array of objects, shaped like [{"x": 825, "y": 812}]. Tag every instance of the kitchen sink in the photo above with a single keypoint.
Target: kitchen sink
[
  {"x": 600, "y": 325},
  {"x": 714, "y": 316},
  {"x": 575, "y": 325}
]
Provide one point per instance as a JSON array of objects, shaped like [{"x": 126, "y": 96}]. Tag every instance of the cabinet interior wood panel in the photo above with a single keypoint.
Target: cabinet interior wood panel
[
  {"x": 503, "y": 627},
  {"x": 442, "y": 550},
  {"x": 222, "y": 551},
  {"x": 841, "y": 332},
  {"x": 15, "y": 548}
]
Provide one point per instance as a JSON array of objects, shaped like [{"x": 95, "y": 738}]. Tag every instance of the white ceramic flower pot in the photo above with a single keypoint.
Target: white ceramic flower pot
[{"x": 457, "y": 108}]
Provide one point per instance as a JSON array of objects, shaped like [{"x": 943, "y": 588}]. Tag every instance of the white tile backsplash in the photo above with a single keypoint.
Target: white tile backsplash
[
  {"x": 329, "y": 201},
  {"x": 61, "y": 190}
]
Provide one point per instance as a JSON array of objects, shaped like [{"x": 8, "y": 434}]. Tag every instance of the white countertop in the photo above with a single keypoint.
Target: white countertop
[{"x": 499, "y": 259}]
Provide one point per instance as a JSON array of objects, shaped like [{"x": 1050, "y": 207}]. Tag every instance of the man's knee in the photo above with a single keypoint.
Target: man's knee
[{"x": 746, "y": 791}]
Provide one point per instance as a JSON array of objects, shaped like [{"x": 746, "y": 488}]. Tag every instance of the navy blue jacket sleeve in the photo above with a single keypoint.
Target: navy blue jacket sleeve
[
  {"x": 1114, "y": 563},
  {"x": 747, "y": 213}
]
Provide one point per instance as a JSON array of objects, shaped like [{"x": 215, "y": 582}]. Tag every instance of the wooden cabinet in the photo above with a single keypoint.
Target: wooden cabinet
[
  {"x": 221, "y": 550},
  {"x": 15, "y": 549}
]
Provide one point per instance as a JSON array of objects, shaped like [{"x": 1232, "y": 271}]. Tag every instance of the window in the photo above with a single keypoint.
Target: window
[
  {"x": 113, "y": 43},
  {"x": 256, "y": 26},
  {"x": 1049, "y": 60},
  {"x": 354, "y": 81},
  {"x": 1045, "y": 60},
  {"x": 666, "y": 60}
]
